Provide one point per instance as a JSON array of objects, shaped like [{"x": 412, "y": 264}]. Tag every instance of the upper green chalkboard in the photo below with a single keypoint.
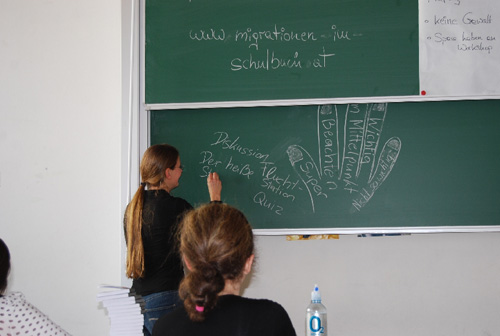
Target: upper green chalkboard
[
  {"x": 396, "y": 165},
  {"x": 251, "y": 50}
]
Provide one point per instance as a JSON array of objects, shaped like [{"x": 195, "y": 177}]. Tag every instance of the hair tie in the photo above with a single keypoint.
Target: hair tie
[
  {"x": 200, "y": 308},
  {"x": 143, "y": 184}
]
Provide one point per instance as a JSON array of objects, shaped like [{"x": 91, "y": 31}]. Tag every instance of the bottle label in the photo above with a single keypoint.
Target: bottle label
[{"x": 315, "y": 326}]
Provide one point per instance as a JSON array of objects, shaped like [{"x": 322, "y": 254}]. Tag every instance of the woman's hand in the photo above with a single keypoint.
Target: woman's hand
[{"x": 214, "y": 186}]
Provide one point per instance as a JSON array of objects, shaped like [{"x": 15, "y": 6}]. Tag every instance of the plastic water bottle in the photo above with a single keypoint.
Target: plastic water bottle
[{"x": 316, "y": 315}]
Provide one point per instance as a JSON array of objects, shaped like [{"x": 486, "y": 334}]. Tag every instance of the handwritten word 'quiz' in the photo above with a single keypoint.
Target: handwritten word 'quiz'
[{"x": 251, "y": 164}]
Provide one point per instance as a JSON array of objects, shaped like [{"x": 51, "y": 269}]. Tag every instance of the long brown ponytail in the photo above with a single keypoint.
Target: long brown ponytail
[{"x": 155, "y": 161}]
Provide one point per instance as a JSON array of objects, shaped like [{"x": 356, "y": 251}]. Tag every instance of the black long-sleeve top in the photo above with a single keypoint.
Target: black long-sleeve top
[
  {"x": 163, "y": 267},
  {"x": 232, "y": 315}
]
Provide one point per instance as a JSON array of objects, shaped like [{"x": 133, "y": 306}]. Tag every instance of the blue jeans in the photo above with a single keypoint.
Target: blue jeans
[{"x": 157, "y": 305}]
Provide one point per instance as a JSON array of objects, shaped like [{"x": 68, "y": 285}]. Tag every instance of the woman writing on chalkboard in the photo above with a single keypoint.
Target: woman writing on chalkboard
[
  {"x": 150, "y": 223},
  {"x": 216, "y": 244}
]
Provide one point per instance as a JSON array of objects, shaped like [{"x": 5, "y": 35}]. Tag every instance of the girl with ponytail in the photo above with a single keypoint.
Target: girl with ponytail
[
  {"x": 216, "y": 244},
  {"x": 150, "y": 223}
]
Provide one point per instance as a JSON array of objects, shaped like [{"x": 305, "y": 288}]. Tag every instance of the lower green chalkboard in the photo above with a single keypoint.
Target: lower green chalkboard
[{"x": 425, "y": 166}]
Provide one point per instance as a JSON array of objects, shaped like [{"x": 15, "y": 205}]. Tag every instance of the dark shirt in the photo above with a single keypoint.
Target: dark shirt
[
  {"x": 234, "y": 316},
  {"x": 163, "y": 267}
]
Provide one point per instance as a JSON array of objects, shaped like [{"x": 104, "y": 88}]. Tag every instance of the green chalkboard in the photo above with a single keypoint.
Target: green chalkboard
[
  {"x": 251, "y": 50},
  {"x": 396, "y": 165}
]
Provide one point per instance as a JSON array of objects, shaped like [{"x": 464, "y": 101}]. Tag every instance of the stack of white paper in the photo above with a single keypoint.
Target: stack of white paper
[{"x": 124, "y": 309}]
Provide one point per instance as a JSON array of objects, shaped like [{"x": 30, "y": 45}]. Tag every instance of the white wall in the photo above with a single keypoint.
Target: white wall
[
  {"x": 60, "y": 145},
  {"x": 418, "y": 285},
  {"x": 63, "y": 145}
]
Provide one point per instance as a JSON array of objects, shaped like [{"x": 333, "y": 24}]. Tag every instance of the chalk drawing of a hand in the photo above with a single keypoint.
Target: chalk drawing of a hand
[{"x": 355, "y": 169}]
